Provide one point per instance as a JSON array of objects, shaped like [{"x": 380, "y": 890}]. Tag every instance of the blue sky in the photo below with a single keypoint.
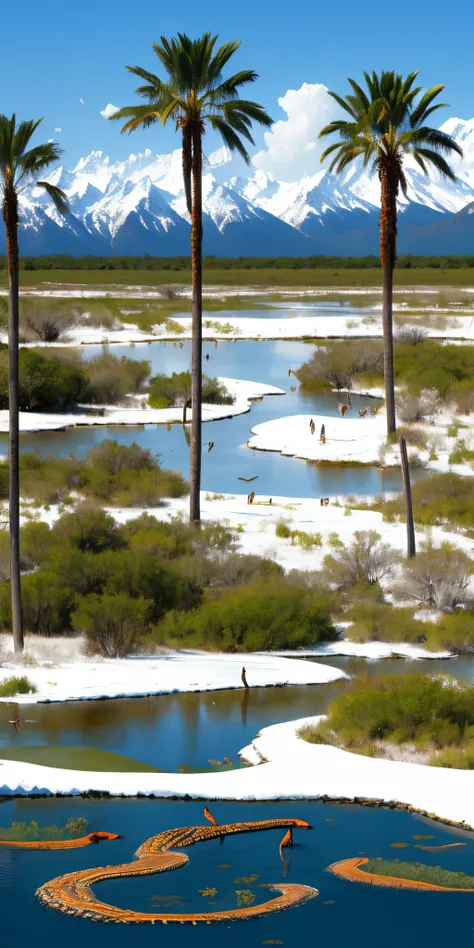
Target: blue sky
[{"x": 59, "y": 54}]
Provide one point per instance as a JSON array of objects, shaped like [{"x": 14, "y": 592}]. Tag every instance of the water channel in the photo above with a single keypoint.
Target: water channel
[{"x": 266, "y": 362}]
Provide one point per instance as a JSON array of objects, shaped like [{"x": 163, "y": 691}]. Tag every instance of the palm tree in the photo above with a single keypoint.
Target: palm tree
[
  {"x": 386, "y": 124},
  {"x": 19, "y": 167},
  {"x": 195, "y": 96}
]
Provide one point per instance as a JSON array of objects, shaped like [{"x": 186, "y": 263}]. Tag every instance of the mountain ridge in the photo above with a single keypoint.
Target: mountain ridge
[{"x": 137, "y": 205}]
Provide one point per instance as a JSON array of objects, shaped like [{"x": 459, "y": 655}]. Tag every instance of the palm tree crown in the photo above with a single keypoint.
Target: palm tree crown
[
  {"x": 20, "y": 167},
  {"x": 195, "y": 93},
  {"x": 386, "y": 123}
]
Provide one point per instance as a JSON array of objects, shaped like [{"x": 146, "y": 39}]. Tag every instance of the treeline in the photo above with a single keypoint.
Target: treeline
[{"x": 179, "y": 264}]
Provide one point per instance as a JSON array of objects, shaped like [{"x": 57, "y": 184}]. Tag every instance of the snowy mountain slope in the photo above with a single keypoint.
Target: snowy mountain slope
[{"x": 137, "y": 206}]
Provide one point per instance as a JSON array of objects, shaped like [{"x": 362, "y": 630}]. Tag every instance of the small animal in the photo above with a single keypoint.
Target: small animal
[
  {"x": 16, "y": 724},
  {"x": 244, "y": 677},
  {"x": 210, "y": 445},
  {"x": 363, "y": 412},
  {"x": 312, "y": 426},
  {"x": 251, "y": 497},
  {"x": 207, "y": 357},
  {"x": 342, "y": 409}
]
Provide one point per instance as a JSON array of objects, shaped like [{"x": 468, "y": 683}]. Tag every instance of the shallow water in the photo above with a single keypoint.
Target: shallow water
[
  {"x": 344, "y": 914},
  {"x": 266, "y": 362},
  {"x": 171, "y": 731}
]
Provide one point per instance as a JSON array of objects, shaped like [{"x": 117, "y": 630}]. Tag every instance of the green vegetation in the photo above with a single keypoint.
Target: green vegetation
[
  {"x": 170, "y": 391},
  {"x": 447, "y": 370},
  {"x": 174, "y": 265},
  {"x": 125, "y": 585},
  {"x": 254, "y": 616},
  {"x": 51, "y": 380},
  {"x": 432, "y": 713},
  {"x": 73, "y": 758},
  {"x": 418, "y": 872},
  {"x": 307, "y": 541},
  {"x": 15, "y": 685},
  {"x": 31, "y": 832},
  {"x": 118, "y": 474},
  {"x": 439, "y": 499}
]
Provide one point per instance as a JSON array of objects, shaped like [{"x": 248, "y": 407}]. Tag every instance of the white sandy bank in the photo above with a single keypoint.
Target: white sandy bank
[
  {"x": 293, "y": 769},
  {"x": 242, "y": 391},
  {"x": 89, "y": 679},
  {"x": 348, "y": 439}
]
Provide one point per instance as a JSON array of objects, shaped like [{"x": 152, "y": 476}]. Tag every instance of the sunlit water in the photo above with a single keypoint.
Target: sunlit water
[
  {"x": 344, "y": 914},
  {"x": 266, "y": 362}
]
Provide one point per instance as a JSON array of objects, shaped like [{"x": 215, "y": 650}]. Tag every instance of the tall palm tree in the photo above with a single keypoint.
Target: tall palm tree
[
  {"x": 20, "y": 166},
  {"x": 387, "y": 123},
  {"x": 195, "y": 96}
]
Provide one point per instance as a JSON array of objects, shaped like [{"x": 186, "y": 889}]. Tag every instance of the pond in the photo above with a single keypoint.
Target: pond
[
  {"x": 344, "y": 914},
  {"x": 266, "y": 362},
  {"x": 186, "y": 731}
]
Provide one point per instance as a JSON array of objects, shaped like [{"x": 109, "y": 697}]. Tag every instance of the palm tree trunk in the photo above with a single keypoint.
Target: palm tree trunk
[
  {"x": 10, "y": 214},
  {"x": 196, "y": 358},
  {"x": 187, "y": 166},
  {"x": 411, "y": 548},
  {"x": 388, "y": 237}
]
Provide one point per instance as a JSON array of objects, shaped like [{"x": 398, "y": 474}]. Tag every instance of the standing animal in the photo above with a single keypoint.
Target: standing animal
[{"x": 16, "y": 724}]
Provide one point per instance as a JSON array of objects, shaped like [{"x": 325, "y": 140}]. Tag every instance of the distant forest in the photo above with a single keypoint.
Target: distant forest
[{"x": 178, "y": 264}]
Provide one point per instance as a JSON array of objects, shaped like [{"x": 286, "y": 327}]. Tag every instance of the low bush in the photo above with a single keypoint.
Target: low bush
[
  {"x": 10, "y": 687},
  {"x": 431, "y": 712},
  {"x": 381, "y": 622},
  {"x": 439, "y": 499},
  {"x": 113, "y": 624},
  {"x": 121, "y": 475},
  {"x": 111, "y": 378},
  {"x": 254, "y": 616},
  {"x": 175, "y": 390},
  {"x": 31, "y": 832},
  {"x": 437, "y": 576},
  {"x": 367, "y": 559}
]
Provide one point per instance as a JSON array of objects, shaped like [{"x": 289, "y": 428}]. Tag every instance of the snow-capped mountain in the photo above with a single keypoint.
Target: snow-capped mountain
[{"x": 137, "y": 206}]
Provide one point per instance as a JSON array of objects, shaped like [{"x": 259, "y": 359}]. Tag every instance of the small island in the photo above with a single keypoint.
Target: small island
[{"x": 401, "y": 875}]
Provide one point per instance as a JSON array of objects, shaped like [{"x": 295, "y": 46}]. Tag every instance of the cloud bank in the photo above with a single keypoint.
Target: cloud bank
[
  {"x": 109, "y": 111},
  {"x": 292, "y": 146}
]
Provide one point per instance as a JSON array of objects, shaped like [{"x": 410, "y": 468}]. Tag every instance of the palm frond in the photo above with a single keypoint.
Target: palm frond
[
  {"x": 57, "y": 195},
  {"x": 437, "y": 160},
  {"x": 231, "y": 139}
]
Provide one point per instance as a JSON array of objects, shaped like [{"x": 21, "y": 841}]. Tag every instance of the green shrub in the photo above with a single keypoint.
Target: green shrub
[
  {"x": 381, "y": 622},
  {"x": 112, "y": 624},
  {"x": 10, "y": 687},
  {"x": 418, "y": 872},
  {"x": 366, "y": 560},
  {"x": 111, "y": 378},
  {"x": 251, "y": 617},
  {"x": 282, "y": 530},
  {"x": 47, "y": 383},
  {"x": 404, "y": 708},
  {"x": 460, "y": 453},
  {"x": 175, "y": 390},
  {"x": 32, "y": 832},
  {"x": 439, "y": 499}
]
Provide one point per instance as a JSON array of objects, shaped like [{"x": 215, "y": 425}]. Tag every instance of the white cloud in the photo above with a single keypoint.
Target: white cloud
[
  {"x": 58, "y": 129},
  {"x": 50, "y": 140},
  {"x": 81, "y": 101},
  {"x": 109, "y": 111},
  {"x": 292, "y": 145}
]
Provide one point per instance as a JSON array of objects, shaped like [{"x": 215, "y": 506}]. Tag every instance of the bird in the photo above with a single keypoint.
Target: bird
[
  {"x": 210, "y": 445},
  {"x": 207, "y": 357},
  {"x": 249, "y": 479},
  {"x": 342, "y": 409},
  {"x": 210, "y": 817},
  {"x": 16, "y": 724},
  {"x": 244, "y": 677}
]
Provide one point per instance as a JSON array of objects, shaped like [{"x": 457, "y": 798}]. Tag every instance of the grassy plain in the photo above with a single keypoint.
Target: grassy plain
[{"x": 252, "y": 277}]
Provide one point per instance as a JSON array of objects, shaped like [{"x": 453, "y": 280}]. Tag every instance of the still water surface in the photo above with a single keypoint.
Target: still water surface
[
  {"x": 171, "y": 731},
  {"x": 345, "y": 914},
  {"x": 266, "y": 362}
]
